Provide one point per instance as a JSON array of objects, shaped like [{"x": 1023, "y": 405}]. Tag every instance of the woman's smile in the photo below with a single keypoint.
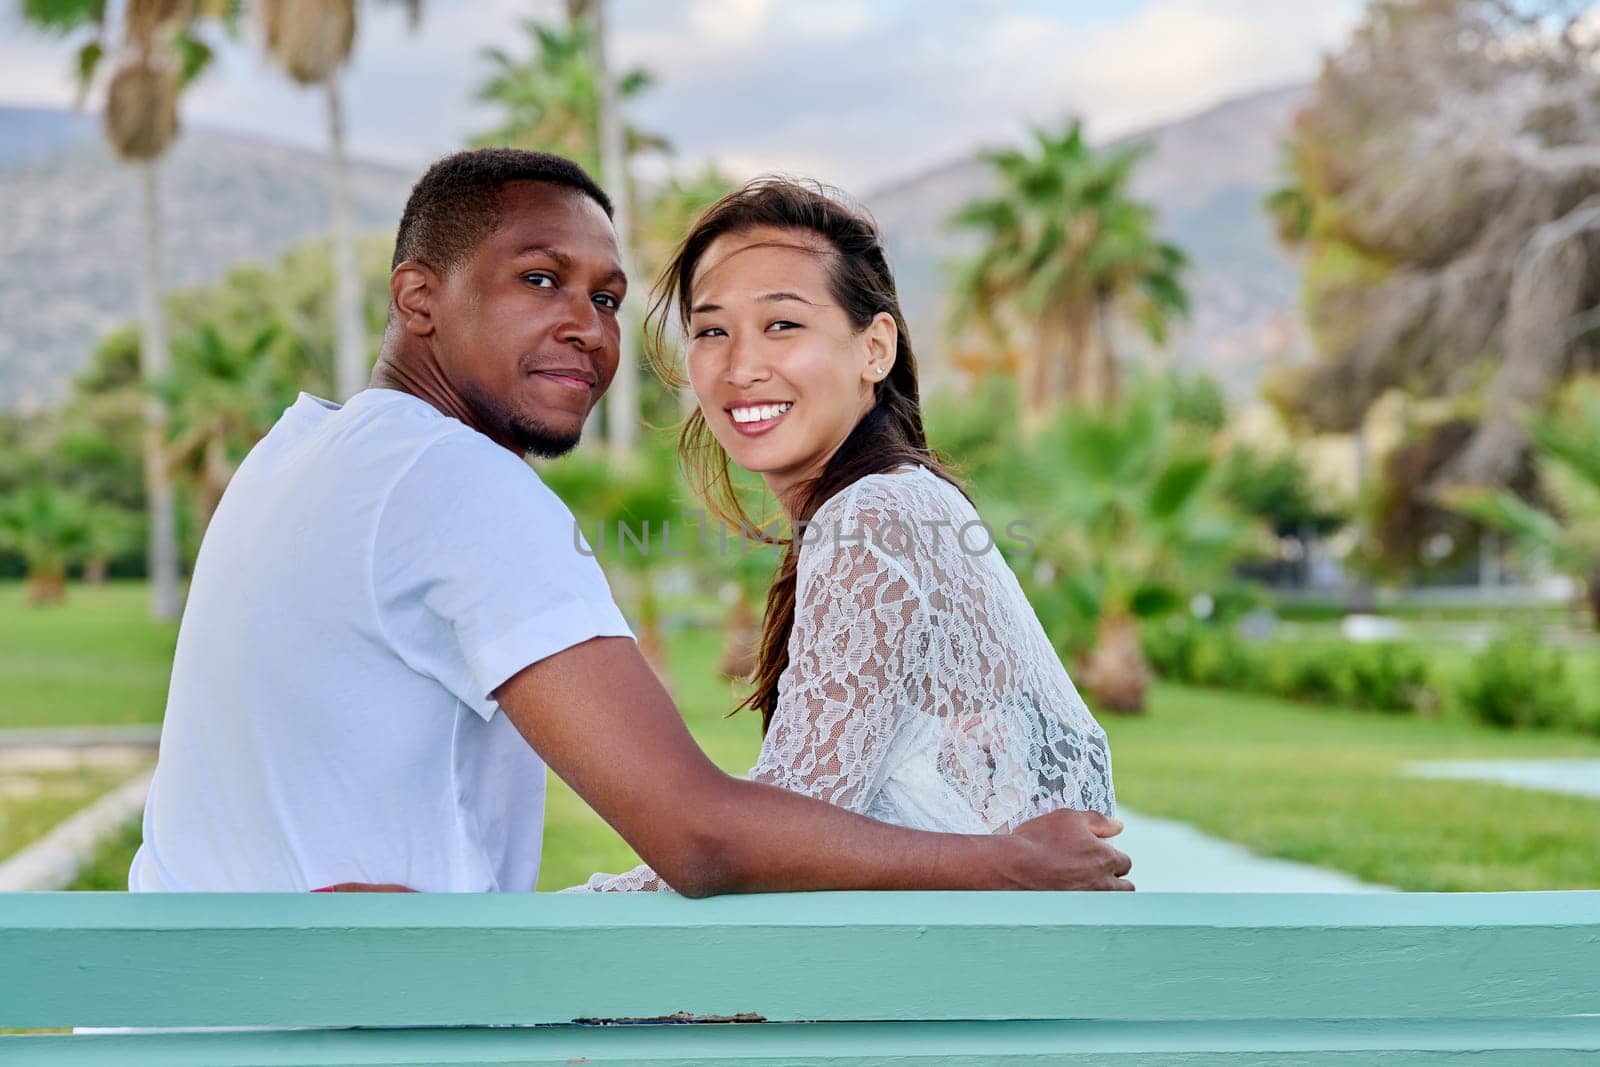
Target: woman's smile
[{"x": 755, "y": 417}]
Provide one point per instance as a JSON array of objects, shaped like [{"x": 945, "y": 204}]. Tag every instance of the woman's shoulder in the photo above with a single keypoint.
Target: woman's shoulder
[
  {"x": 910, "y": 487},
  {"x": 892, "y": 511}
]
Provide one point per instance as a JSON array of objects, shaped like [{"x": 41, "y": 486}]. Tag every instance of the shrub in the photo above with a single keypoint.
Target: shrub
[
  {"x": 1389, "y": 677},
  {"x": 1203, "y": 654},
  {"x": 1515, "y": 683},
  {"x": 1384, "y": 677},
  {"x": 1170, "y": 648},
  {"x": 1222, "y": 659},
  {"x": 1316, "y": 673}
]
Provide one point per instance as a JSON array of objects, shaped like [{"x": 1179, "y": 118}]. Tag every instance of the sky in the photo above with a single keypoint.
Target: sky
[{"x": 860, "y": 93}]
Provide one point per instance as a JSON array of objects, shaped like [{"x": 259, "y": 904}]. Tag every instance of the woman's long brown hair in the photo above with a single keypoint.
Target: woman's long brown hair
[{"x": 888, "y": 436}]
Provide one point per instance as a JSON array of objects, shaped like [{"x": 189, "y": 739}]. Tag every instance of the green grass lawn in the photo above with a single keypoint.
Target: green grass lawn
[
  {"x": 1323, "y": 786},
  {"x": 1313, "y": 784},
  {"x": 95, "y": 659}
]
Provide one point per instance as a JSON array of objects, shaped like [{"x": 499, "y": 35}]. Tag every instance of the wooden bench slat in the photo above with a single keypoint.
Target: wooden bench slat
[
  {"x": 1500, "y": 1043},
  {"x": 391, "y": 960}
]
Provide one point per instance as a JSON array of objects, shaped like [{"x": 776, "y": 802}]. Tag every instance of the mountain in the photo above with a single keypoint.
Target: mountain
[
  {"x": 69, "y": 233},
  {"x": 1206, "y": 176},
  {"x": 69, "y": 230}
]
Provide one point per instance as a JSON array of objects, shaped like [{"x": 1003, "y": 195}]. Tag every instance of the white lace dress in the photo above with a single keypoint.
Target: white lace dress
[{"x": 921, "y": 689}]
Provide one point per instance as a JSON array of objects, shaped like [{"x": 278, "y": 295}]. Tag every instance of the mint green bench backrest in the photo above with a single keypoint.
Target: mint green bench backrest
[{"x": 1028, "y": 970}]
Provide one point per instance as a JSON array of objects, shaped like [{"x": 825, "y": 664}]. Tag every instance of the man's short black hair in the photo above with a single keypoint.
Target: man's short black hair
[{"x": 456, "y": 204}]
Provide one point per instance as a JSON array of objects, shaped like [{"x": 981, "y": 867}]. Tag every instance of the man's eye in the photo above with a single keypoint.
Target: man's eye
[
  {"x": 606, "y": 300},
  {"x": 538, "y": 278}
]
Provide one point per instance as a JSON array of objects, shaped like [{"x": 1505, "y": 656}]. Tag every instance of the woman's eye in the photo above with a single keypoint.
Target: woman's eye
[
  {"x": 712, "y": 331},
  {"x": 784, "y": 324},
  {"x": 539, "y": 279},
  {"x": 606, "y": 300}
]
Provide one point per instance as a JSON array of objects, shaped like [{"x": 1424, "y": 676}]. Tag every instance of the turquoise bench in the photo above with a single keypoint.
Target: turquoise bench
[{"x": 902, "y": 978}]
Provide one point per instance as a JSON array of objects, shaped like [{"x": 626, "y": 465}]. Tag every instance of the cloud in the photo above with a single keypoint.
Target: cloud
[
  {"x": 899, "y": 87},
  {"x": 859, "y": 92},
  {"x": 728, "y": 22},
  {"x": 1174, "y": 55}
]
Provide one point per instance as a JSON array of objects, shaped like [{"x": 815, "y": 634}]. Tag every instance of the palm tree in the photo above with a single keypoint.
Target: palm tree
[
  {"x": 111, "y": 532},
  {"x": 562, "y": 98},
  {"x": 551, "y": 97},
  {"x": 664, "y": 219},
  {"x": 311, "y": 40},
  {"x": 224, "y": 396},
  {"x": 624, "y": 506},
  {"x": 750, "y": 574},
  {"x": 1567, "y": 458},
  {"x": 1126, "y": 527},
  {"x": 158, "y": 55},
  {"x": 622, "y": 422},
  {"x": 1066, "y": 251},
  {"x": 48, "y": 528},
  {"x": 672, "y": 208}
]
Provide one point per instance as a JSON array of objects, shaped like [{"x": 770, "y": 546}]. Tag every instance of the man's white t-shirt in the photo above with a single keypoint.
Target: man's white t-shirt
[{"x": 374, "y": 572}]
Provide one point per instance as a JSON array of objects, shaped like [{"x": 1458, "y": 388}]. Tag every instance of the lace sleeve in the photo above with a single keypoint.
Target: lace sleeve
[
  {"x": 857, "y": 626},
  {"x": 639, "y": 880}
]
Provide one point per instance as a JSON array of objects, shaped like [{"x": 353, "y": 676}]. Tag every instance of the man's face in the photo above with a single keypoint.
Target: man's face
[{"x": 526, "y": 330}]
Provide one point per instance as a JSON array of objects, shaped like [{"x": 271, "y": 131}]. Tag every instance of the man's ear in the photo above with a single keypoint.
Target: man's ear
[{"x": 412, "y": 286}]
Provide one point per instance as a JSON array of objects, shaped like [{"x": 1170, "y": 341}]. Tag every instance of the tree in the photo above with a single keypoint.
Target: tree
[
  {"x": 625, "y": 506},
  {"x": 311, "y": 40},
  {"x": 1444, "y": 184},
  {"x": 243, "y": 346},
  {"x": 1563, "y": 528},
  {"x": 112, "y": 532},
  {"x": 1277, "y": 488},
  {"x": 159, "y": 54},
  {"x": 562, "y": 98},
  {"x": 1065, "y": 251},
  {"x": 224, "y": 394},
  {"x": 669, "y": 212},
  {"x": 622, "y": 423},
  {"x": 1123, "y": 513},
  {"x": 48, "y": 528},
  {"x": 750, "y": 574},
  {"x": 665, "y": 219},
  {"x": 551, "y": 98}
]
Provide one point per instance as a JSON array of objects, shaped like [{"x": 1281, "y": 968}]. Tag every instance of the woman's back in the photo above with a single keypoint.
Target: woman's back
[{"x": 921, "y": 689}]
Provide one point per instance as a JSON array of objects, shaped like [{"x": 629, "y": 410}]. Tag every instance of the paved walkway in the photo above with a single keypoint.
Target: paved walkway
[
  {"x": 80, "y": 736},
  {"x": 1579, "y": 777},
  {"x": 53, "y": 861},
  {"x": 1174, "y": 857}
]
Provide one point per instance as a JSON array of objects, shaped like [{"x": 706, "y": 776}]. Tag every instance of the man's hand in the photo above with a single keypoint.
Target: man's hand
[{"x": 1071, "y": 851}]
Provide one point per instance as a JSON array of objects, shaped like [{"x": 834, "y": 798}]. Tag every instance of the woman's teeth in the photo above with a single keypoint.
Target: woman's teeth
[{"x": 761, "y": 413}]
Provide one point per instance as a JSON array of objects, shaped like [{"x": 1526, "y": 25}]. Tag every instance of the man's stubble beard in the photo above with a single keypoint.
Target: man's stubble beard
[
  {"x": 536, "y": 439},
  {"x": 530, "y": 434}
]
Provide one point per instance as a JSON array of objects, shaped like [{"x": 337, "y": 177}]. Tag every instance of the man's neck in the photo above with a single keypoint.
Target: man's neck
[{"x": 423, "y": 381}]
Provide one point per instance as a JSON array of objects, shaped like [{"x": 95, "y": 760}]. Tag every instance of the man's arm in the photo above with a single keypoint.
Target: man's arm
[{"x": 600, "y": 718}]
